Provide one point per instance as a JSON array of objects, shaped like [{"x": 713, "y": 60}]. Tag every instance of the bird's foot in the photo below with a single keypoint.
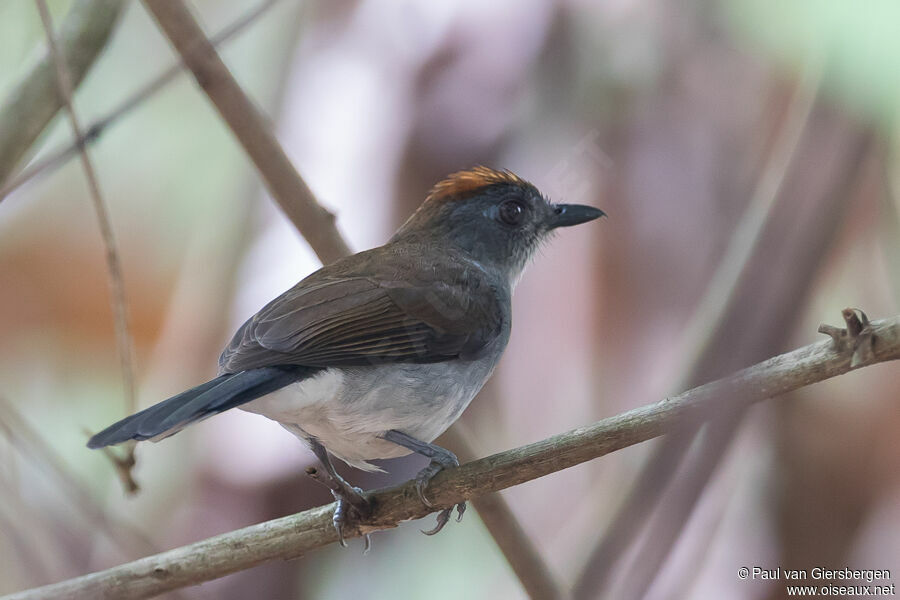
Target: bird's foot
[
  {"x": 350, "y": 506},
  {"x": 444, "y": 516},
  {"x": 441, "y": 459},
  {"x": 438, "y": 464},
  {"x": 351, "y": 502}
]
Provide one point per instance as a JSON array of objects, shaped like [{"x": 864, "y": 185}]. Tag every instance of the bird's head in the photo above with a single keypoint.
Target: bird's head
[{"x": 495, "y": 217}]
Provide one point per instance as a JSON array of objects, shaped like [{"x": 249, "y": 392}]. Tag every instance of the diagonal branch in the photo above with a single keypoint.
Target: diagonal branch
[
  {"x": 59, "y": 156},
  {"x": 28, "y": 108},
  {"x": 295, "y": 535},
  {"x": 251, "y": 128}
]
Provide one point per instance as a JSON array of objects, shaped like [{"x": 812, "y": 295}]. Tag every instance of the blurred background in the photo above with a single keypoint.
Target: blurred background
[{"x": 745, "y": 151}]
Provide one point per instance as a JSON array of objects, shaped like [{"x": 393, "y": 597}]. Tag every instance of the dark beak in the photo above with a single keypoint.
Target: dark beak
[{"x": 566, "y": 215}]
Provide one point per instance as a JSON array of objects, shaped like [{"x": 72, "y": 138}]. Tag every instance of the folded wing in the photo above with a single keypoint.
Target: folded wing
[{"x": 340, "y": 316}]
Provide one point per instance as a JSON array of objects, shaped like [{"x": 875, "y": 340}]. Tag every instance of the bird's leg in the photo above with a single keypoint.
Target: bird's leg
[
  {"x": 441, "y": 458},
  {"x": 346, "y": 495}
]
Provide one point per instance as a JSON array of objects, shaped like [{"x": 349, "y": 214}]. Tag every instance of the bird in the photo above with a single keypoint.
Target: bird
[{"x": 375, "y": 355}]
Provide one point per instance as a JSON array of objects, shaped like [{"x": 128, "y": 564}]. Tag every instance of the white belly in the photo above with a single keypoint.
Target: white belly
[{"x": 348, "y": 410}]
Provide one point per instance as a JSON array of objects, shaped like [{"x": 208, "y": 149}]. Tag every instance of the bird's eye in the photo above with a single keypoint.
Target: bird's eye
[{"x": 511, "y": 212}]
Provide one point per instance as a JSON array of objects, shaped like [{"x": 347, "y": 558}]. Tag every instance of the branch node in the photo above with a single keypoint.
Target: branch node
[
  {"x": 123, "y": 466},
  {"x": 856, "y": 320},
  {"x": 857, "y": 338},
  {"x": 322, "y": 478},
  {"x": 837, "y": 334}
]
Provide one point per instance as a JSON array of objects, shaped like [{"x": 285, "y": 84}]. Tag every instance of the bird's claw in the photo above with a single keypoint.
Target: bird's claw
[
  {"x": 442, "y": 519},
  {"x": 441, "y": 459},
  {"x": 460, "y": 509},
  {"x": 422, "y": 480},
  {"x": 444, "y": 516},
  {"x": 341, "y": 516}
]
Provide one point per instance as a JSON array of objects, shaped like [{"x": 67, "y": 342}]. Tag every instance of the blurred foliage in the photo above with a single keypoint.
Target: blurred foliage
[{"x": 856, "y": 44}]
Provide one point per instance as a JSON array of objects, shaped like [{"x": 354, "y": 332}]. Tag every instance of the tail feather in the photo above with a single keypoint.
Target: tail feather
[{"x": 214, "y": 396}]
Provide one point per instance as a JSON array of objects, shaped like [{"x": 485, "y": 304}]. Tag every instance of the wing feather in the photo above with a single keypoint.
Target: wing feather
[{"x": 349, "y": 313}]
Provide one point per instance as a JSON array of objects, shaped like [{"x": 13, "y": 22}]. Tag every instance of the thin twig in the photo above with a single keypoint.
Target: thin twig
[
  {"x": 295, "y": 535},
  {"x": 59, "y": 157},
  {"x": 35, "y": 99},
  {"x": 251, "y": 128},
  {"x": 116, "y": 281}
]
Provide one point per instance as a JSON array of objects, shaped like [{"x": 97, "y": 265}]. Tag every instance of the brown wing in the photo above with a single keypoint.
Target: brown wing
[{"x": 352, "y": 314}]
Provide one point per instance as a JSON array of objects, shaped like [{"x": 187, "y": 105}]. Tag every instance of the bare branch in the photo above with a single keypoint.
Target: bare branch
[
  {"x": 60, "y": 156},
  {"x": 36, "y": 98},
  {"x": 295, "y": 535},
  {"x": 116, "y": 281},
  {"x": 251, "y": 128}
]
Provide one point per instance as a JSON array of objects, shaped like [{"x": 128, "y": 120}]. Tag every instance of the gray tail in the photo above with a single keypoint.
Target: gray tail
[{"x": 214, "y": 396}]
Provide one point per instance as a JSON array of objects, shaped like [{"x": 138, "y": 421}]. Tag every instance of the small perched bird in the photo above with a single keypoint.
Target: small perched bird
[{"x": 377, "y": 354}]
